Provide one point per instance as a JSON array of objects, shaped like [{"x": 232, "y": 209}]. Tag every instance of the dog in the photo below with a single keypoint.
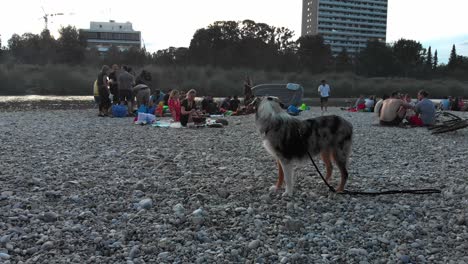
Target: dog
[{"x": 289, "y": 140}]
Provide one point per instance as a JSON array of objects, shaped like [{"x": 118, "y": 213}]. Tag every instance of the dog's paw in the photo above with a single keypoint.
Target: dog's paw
[
  {"x": 273, "y": 188},
  {"x": 287, "y": 194}
]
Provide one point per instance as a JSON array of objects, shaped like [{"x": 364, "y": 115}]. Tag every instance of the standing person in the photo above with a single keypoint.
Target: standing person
[
  {"x": 126, "y": 82},
  {"x": 103, "y": 86},
  {"x": 174, "y": 105},
  {"x": 324, "y": 91},
  {"x": 248, "y": 95},
  {"x": 113, "y": 84}
]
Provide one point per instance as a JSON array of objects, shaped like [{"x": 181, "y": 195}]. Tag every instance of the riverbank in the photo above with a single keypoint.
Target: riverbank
[{"x": 77, "y": 188}]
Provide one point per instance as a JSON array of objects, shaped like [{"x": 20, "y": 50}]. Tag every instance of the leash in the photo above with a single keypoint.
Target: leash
[{"x": 411, "y": 191}]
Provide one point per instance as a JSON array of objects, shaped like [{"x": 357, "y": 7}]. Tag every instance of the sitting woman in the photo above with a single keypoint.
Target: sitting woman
[
  {"x": 188, "y": 109},
  {"x": 174, "y": 105}
]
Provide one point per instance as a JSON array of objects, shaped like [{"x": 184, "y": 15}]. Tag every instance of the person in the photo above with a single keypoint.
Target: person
[
  {"x": 142, "y": 90},
  {"x": 234, "y": 104},
  {"x": 225, "y": 104},
  {"x": 166, "y": 96},
  {"x": 113, "y": 84},
  {"x": 324, "y": 91},
  {"x": 174, "y": 105},
  {"x": 425, "y": 110},
  {"x": 444, "y": 104},
  {"x": 156, "y": 97},
  {"x": 461, "y": 104},
  {"x": 393, "y": 111},
  {"x": 378, "y": 105},
  {"x": 409, "y": 112},
  {"x": 126, "y": 82},
  {"x": 188, "y": 109},
  {"x": 103, "y": 84},
  {"x": 360, "y": 103},
  {"x": 456, "y": 104},
  {"x": 248, "y": 94},
  {"x": 369, "y": 103}
]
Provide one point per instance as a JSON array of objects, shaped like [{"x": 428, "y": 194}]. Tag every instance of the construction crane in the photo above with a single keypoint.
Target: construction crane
[{"x": 46, "y": 17}]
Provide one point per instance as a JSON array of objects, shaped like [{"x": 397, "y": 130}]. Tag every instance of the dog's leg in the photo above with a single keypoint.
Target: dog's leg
[
  {"x": 326, "y": 157},
  {"x": 288, "y": 169},
  {"x": 280, "y": 181},
  {"x": 341, "y": 161}
]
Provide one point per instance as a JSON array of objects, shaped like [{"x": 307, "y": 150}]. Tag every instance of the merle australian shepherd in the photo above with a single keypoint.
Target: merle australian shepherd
[{"x": 288, "y": 139}]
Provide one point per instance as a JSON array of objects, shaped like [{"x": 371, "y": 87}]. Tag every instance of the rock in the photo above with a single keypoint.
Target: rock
[
  {"x": 4, "y": 256},
  {"x": 47, "y": 246},
  {"x": 293, "y": 225},
  {"x": 134, "y": 252},
  {"x": 146, "y": 204},
  {"x": 49, "y": 217},
  {"x": 254, "y": 244},
  {"x": 179, "y": 210},
  {"x": 358, "y": 251},
  {"x": 140, "y": 185},
  {"x": 405, "y": 258}
]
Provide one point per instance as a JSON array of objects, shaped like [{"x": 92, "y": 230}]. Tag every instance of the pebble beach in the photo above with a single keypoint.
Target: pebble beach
[{"x": 78, "y": 188}]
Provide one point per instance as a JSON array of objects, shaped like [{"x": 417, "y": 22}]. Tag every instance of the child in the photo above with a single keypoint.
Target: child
[{"x": 174, "y": 105}]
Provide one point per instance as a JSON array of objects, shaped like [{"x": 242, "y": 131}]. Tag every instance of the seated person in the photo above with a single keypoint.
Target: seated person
[
  {"x": 156, "y": 97},
  {"x": 393, "y": 111},
  {"x": 444, "y": 104},
  {"x": 369, "y": 103},
  {"x": 378, "y": 105},
  {"x": 234, "y": 104},
  {"x": 226, "y": 105},
  {"x": 425, "y": 110},
  {"x": 360, "y": 103},
  {"x": 188, "y": 109}
]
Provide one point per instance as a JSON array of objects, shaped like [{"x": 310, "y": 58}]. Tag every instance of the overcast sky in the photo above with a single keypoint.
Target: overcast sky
[{"x": 166, "y": 23}]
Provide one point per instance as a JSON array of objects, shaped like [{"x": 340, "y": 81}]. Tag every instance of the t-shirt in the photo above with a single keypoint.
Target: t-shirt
[
  {"x": 324, "y": 90},
  {"x": 369, "y": 103},
  {"x": 126, "y": 81},
  {"x": 234, "y": 103},
  {"x": 445, "y": 104},
  {"x": 188, "y": 107},
  {"x": 426, "y": 109}
]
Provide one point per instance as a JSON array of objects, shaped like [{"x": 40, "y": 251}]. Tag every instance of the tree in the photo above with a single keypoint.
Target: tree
[
  {"x": 71, "y": 46},
  {"x": 409, "y": 55},
  {"x": 429, "y": 61},
  {"x": 376, "y": 60},
  {"x": 47, "y": 48},
  {"x": 313, "y": 54},
  {"x": 343, "y": 61},
  {"x": 453, "y": 60},
  {"x": 436, "y": 61}
]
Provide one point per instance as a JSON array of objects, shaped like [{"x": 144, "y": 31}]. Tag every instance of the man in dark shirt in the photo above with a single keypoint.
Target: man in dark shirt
[{"x": 113, "y": 84}]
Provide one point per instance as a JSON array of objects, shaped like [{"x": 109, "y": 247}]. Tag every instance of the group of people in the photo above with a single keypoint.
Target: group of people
[
  {"x": 115, "y": 86},
  {"x": 122, "y": 87},
  {"x": 393, "y": 110},
  {"x": 453, "y": 104}
]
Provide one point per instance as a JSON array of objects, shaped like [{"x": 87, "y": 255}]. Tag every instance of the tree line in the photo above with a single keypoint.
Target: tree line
[{"x": 243, "y": 44}]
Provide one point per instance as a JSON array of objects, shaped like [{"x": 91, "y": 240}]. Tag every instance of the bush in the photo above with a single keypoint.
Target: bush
[{"x": 77, "y": 80}]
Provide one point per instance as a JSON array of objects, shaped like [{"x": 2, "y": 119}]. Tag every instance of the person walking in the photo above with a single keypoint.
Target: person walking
[{"x": 324, "y": 91}]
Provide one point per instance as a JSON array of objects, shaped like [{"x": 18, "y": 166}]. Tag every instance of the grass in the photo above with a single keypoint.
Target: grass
[{"x": 77, "y": 80}]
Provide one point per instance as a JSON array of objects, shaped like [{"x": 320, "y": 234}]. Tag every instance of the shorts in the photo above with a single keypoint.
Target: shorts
[
  {"x": 97, "y": 99},
  {"x": 125, "y": 96},
  {"x": 324, "y": 99},
  {"x": 143, "y": 96},
  {"x": 395, "y": 122}
]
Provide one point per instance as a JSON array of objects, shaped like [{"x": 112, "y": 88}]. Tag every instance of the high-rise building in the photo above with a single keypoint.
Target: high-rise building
[
  {"x": 345, "y": 23},
  {"x": 103, "y": 35}
]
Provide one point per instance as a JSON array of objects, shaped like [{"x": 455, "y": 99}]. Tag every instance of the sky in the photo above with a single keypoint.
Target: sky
[{"x": 166, "y": 23}]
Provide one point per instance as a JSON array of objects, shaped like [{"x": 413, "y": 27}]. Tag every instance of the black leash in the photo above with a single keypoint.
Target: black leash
[{"x": 418, "y": 191}]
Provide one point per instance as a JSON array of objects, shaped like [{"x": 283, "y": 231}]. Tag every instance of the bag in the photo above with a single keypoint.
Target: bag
[
  {"x": 293, "y": 110},
  {"x": 119, "y": 110}
]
